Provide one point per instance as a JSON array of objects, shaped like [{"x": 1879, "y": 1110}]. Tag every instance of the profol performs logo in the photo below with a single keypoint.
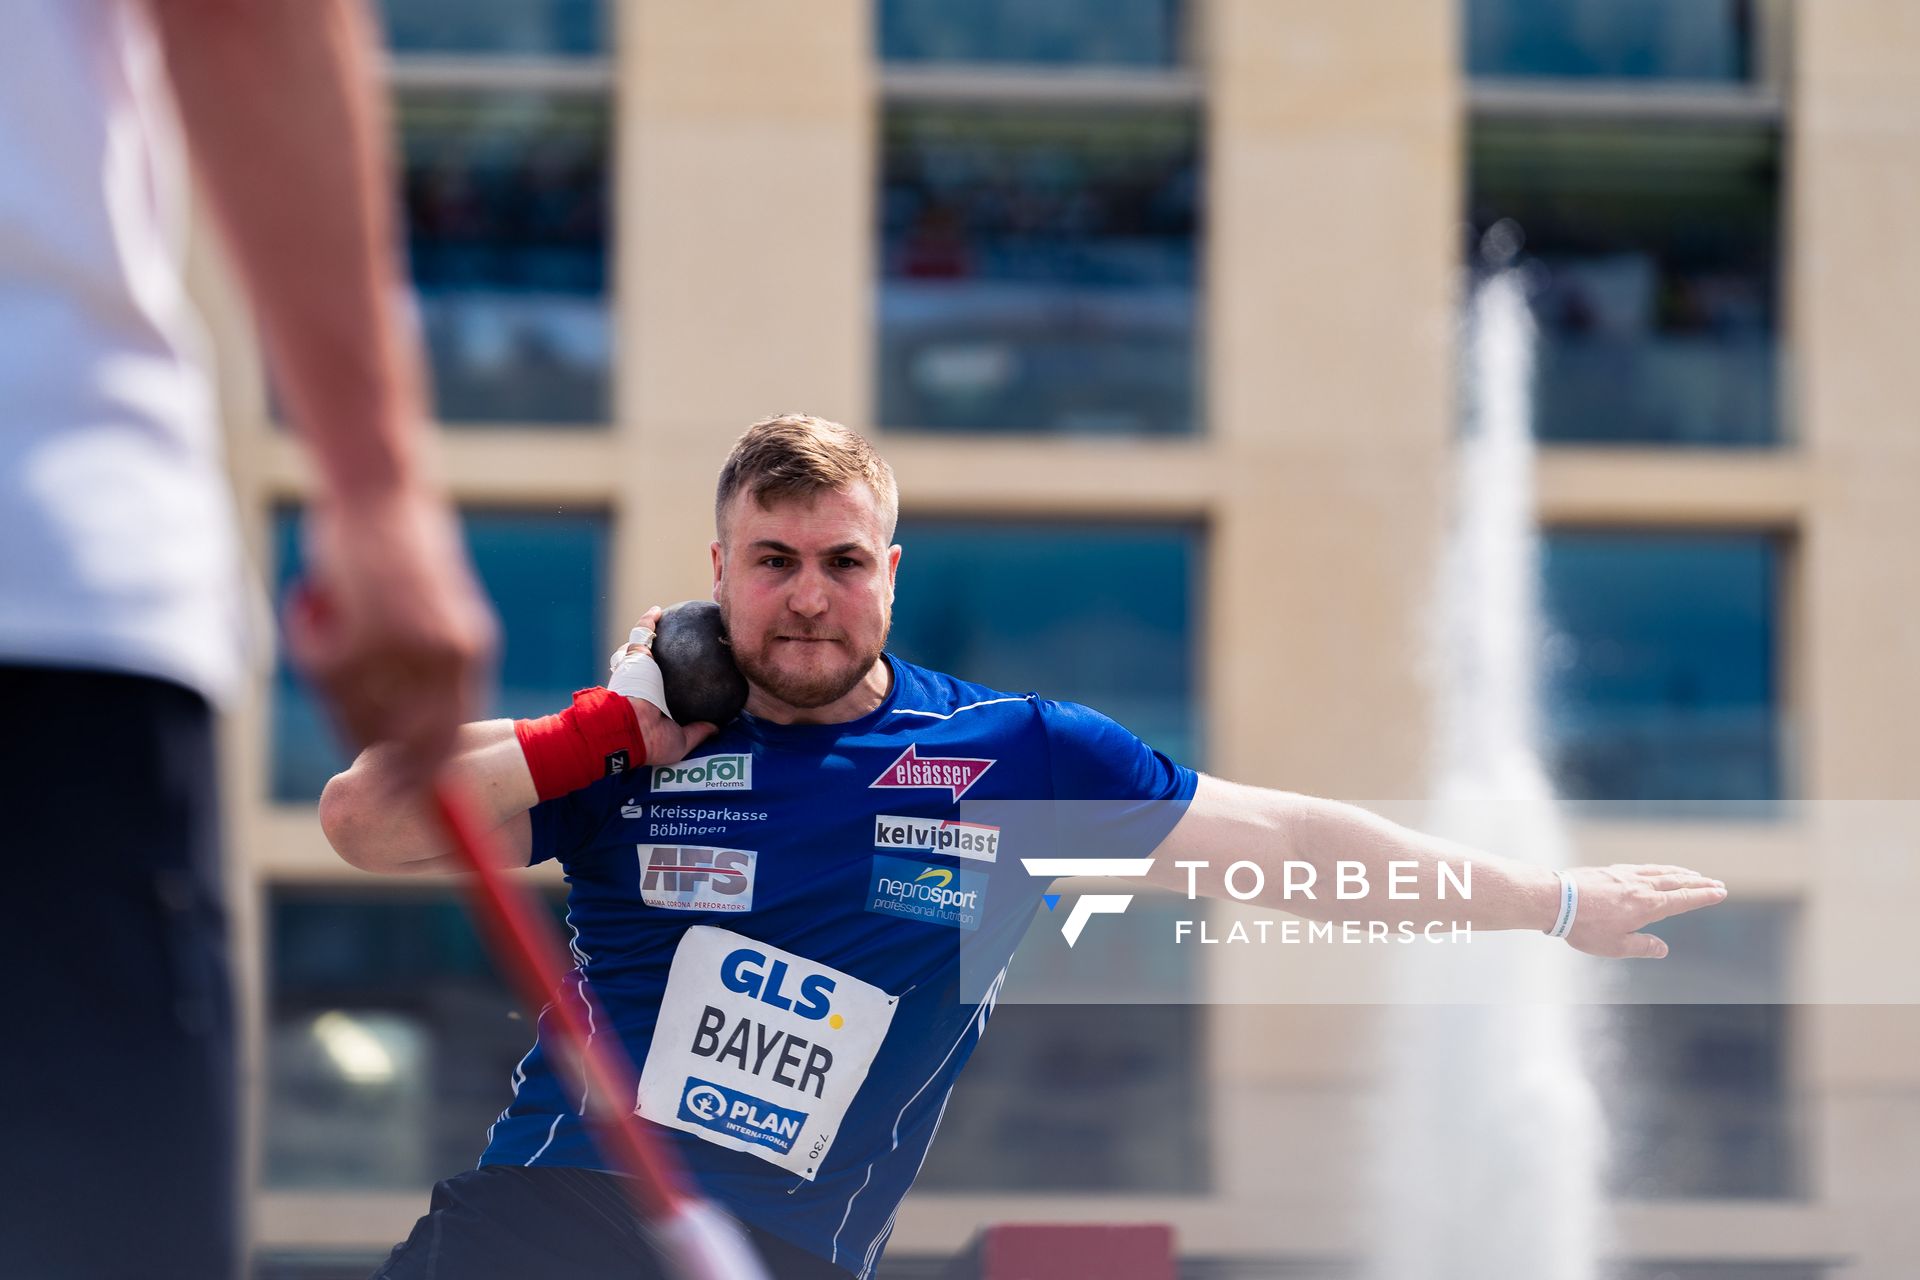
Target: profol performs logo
[
  {"x": 956, "y": 773},
  {"x": 708, "y": 773},
  {"x": 696, "y": 878},
  {"x": 1087, "y": 905}
]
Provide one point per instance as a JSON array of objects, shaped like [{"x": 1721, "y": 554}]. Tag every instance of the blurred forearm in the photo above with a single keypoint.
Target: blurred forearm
[{"x": 285, "y": 118}]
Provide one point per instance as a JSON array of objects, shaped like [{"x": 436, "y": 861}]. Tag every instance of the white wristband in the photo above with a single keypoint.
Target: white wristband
[
  {"x": 1569, "y": 906},
  {"x": 633, "y": 673}
]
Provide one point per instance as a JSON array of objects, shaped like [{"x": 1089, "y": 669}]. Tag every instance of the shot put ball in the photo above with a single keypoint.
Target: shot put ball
[{"x": 696, "y": 665}]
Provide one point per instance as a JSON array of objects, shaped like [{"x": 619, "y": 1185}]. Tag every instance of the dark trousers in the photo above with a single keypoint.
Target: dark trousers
[
  {"x": 503, "y": 1222},
  {"x": 117, "y": 1070}
]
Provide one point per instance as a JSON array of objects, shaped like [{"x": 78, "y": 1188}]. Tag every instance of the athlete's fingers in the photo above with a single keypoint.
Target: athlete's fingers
[
  {"x": 1642, "y": 946},
  {"x": 650, "y": 621},
  {"x": 1666, "y": 869},
  {"x": 1681, "y": 901},
  {"x": 1683, "y": 880}
]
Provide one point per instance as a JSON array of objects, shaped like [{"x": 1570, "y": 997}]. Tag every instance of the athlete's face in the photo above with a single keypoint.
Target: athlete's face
[{"x": 806, "y": 588}]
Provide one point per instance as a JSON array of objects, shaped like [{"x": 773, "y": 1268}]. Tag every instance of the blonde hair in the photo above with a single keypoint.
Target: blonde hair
[{"x": 796, "y": 455}]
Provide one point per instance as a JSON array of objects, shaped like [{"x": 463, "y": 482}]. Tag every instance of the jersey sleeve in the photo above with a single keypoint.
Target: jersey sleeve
[
  {"x": 566, "y": 824},
  {"x": 1116, "y": 797}
]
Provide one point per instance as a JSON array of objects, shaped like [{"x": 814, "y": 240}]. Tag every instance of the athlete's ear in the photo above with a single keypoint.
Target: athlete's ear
[
  {"x": 719, "y": 563},
  {"x": 893, "y": 569}
]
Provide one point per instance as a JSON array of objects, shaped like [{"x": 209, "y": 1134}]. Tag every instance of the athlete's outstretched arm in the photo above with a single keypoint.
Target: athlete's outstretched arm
[
  {"x": 285, "y": 118},
  {"x": 1229, "y": 822}
]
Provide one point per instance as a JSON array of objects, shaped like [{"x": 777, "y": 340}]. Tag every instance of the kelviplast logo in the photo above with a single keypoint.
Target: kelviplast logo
[
  {"x": 974, "y": 840},
  {"x": 708, "y": 773}
]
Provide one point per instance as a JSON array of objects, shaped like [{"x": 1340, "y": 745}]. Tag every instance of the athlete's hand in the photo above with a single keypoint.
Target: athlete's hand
[
  {"x": 391, "y": 624},
  {"x": 667, "y": 741},
  {"x": 1618, "y": 901}
]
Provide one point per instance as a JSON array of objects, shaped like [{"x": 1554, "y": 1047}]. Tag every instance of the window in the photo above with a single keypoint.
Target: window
[
  {"x": 1126, "y": 33},
  {"x": 549, "y": 28},
  {"x": 1702, "y": 40},
  {"x": 1105, "y": 614},
  {"x": 545, "y": 575},
  {"x": 1658, "y": 298},
  {"x": 1039, "y": 258},
  {"x": 506, "y": 204},
  {"x": 391, "y": 1041},
  {"x": 1663, "y": 665},
  {"x": 504, "y": 125},
  {"x": 1704, "y": 1105}
]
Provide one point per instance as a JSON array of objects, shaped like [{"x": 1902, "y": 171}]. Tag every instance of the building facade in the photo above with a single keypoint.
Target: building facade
[{"x": 1154, "y": 307}]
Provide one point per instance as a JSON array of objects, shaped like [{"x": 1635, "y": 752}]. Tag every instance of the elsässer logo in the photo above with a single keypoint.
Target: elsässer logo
[{"x": 957, "y": 774}]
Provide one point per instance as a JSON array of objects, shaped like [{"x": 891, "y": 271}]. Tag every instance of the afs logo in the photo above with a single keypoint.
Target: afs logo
[
  {"x": 697, "y": 878},
  {"x": 707, "y": 773},
  {"x": 1087, "y": 905},
  {"x": 926, "y": 893}
]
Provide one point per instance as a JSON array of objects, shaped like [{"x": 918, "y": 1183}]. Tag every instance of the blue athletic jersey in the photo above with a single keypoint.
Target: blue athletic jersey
[{"x": 774, "y": 928}]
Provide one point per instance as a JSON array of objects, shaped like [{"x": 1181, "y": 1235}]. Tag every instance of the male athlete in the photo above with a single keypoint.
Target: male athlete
[{"x": 783, "y": 961}]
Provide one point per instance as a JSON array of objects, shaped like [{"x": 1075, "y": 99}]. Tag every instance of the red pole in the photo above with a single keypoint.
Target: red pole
[{"x": 533, "y": 961}]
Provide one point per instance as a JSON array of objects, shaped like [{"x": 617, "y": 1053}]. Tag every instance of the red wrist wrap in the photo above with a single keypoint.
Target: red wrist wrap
[{"x": 595, "y": 738}]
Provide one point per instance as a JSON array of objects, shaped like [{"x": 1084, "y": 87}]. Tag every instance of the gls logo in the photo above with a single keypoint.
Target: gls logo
[
  {"x": 1088, "y": 904},
  {"x": 708, "y": 773},
  {"x": 747, "y": 972}
]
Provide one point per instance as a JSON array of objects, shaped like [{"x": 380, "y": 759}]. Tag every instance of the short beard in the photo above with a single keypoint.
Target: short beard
[{"x": 806, "y": 693}]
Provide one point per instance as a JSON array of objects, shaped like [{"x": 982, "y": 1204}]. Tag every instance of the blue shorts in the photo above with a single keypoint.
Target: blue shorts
[
  {"x": 504, "y": 1222},
  {"x": 119, "y": 1067}
]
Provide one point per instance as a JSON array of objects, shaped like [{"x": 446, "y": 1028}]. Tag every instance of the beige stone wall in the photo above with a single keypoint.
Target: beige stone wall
[{"x": 1855, "y": 178}]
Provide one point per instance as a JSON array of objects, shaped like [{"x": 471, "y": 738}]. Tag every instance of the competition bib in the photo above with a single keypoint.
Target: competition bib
[{"x": 759, "y": 1049}]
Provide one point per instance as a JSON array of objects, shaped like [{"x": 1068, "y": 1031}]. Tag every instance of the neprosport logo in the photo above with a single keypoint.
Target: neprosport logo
[
  {"x": 696, "y": 878},
  {"x": 933, "y": 895},
  {"x": 974, "y": 840},
  {"x": 708, "y": 773}
]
